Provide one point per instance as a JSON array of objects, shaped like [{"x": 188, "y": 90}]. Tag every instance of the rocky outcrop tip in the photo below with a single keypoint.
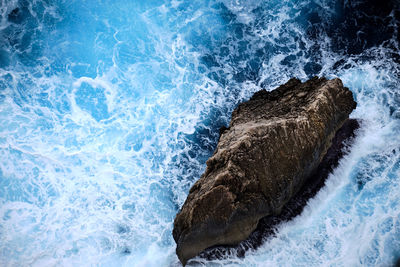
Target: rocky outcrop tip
[{"x": 274, "y": 142}]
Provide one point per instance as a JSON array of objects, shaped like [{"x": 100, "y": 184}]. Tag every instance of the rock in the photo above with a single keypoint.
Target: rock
[
  {"x": 275, "y": 141},
  {"x": 267, "y": 226}
]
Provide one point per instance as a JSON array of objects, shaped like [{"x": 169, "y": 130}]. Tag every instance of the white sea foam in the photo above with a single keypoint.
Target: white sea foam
[{"x": 105, "y": 127}]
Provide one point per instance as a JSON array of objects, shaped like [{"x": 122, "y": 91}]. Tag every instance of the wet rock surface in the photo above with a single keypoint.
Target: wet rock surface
[
  {"x": 267, "y": 226},
  {"x": 272, "y": 148}
]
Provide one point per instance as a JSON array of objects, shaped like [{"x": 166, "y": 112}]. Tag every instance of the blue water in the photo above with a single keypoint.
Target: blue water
[{"x": 109, "y": 110}]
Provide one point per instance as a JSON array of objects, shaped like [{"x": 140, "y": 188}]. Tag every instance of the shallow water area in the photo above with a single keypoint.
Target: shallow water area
[{"x": 109, "y": 110}]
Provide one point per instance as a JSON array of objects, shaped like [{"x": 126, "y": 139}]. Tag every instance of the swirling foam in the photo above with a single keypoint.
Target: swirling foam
[{"x": 109, "y": 110}]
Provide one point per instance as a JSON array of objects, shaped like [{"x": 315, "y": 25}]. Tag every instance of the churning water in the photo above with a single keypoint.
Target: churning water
[{"x": 110, "y": 108}]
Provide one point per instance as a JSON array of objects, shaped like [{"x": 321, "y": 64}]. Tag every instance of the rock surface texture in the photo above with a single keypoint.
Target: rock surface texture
[{"x": 275, "y": 141}]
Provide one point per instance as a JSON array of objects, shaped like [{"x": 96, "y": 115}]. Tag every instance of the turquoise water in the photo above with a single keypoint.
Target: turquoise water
[{"x": 109, "y": 110}]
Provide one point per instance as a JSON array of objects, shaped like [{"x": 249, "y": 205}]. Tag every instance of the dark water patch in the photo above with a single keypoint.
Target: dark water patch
[
  {"x": 21, "y": 41},
  {"x": 357, "y": 25},
  {"x": 122, "y": 229},
  {"x": 19, "y": 14},
  {"x": 343, "y": 27},
  {"x": 4, "y": 58},
  {"x": 126, "y": 251}
]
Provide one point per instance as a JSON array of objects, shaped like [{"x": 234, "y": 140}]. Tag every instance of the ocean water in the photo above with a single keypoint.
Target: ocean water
[{"x": 110, "y": 108}]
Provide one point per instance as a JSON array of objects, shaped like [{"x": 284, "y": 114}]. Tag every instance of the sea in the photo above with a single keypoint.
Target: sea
[{"x": 109, "y": 110}]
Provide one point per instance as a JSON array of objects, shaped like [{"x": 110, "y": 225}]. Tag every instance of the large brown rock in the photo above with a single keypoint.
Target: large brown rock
[{"x": 273, "y": 143}]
